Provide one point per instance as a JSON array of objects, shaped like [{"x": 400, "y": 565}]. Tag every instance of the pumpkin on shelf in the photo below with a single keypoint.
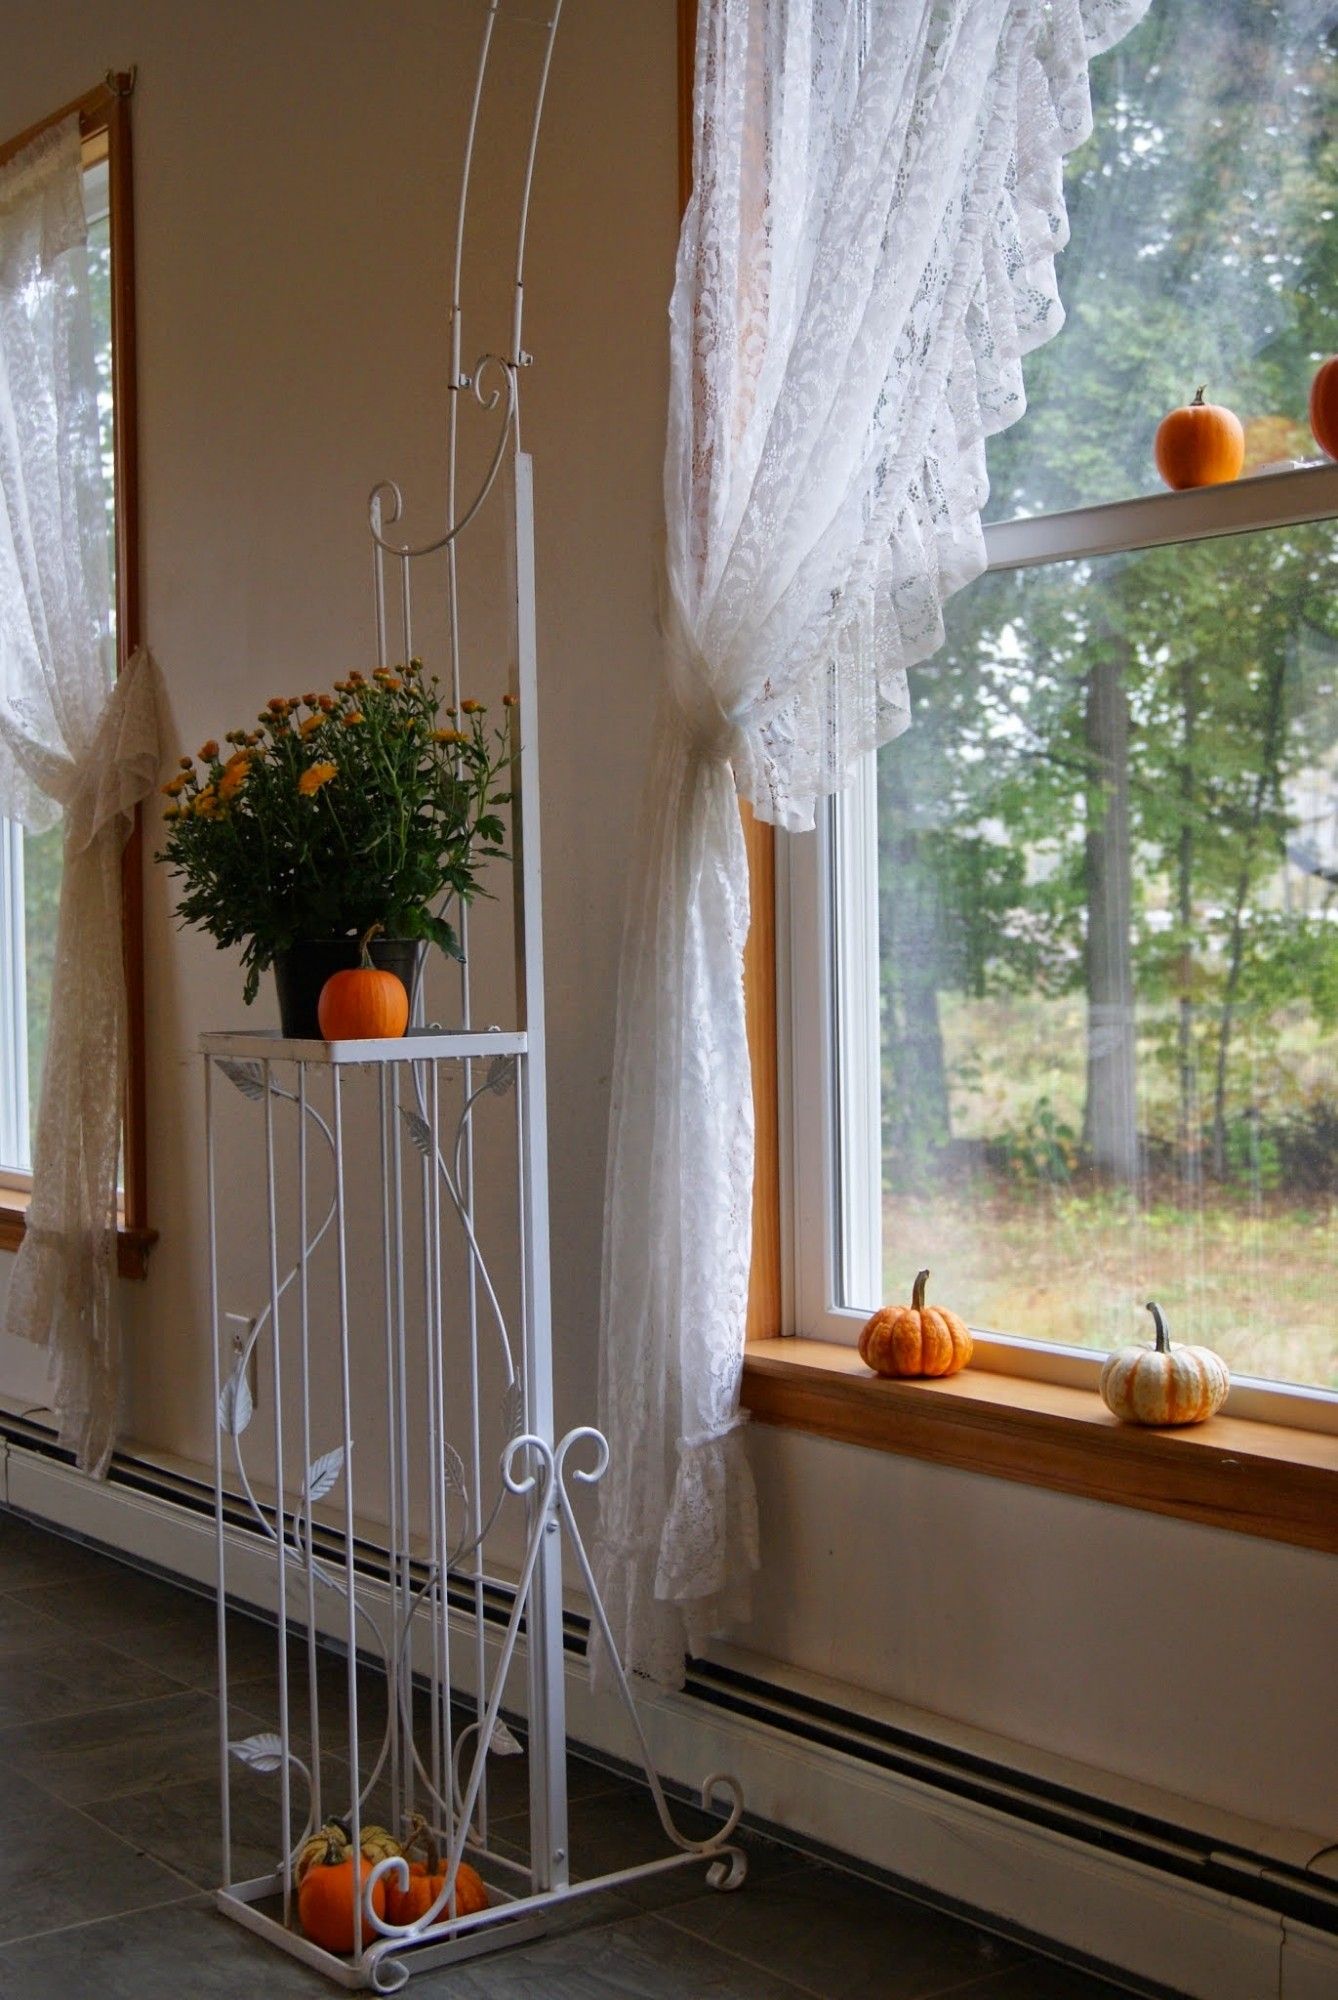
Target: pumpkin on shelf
[
  {"x": 1200, "y": 444},
  {"x": 1324, "y": 406},
  {"x": 326, "y": 1892},
  {"x": 363, "y": 1004},
  {"x": 917, "y": 1339},
  {"x": 1155, "y": 1384},
  {"x": 427, "y": 1880}
]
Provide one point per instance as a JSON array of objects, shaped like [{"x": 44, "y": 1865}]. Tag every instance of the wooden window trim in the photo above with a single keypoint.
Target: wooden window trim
[
  {"x": 1254, "y": 1478},
  {"x": 104, "y": 115}
]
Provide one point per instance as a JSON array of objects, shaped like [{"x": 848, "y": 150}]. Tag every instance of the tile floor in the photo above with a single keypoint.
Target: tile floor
[{"x": 108, "y": 1813}]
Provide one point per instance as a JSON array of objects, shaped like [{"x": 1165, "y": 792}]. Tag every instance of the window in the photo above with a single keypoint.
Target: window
[
  {"x": 30, "y": 865},
  {"x": 1070, "y": 1037}
]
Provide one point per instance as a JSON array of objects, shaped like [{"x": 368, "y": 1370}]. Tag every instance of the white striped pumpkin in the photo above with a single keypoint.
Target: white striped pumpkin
[{"x": 1155, "y": 1384}]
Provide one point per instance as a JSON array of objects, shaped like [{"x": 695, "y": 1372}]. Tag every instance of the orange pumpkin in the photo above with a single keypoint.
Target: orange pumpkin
[
  {"x": 363, "y": 1004},
  {"x": 1324, "y": 406},
  {"x": 916, "y": 1339},
  {"x": 427, "y": 1880},
  {"x": 1201, "y": 444},
  {"x": 326, "y": 1892}
]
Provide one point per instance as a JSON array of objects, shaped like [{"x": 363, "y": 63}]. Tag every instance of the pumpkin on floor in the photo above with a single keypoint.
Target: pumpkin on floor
[
  {"x": 1200, "y": 444},
  {"x": 427, "y": 1880},
  {"x": 1324, "y": 406},
  {"x": 364, "y": 1004},
  {"x": 326, "y": 1890},
  {"x": 916, "y": 1339},
  {"x": 1155, "y": 1384}
]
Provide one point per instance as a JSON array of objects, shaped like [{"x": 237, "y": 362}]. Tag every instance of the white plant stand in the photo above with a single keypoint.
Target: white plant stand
[{"x": 405, "y": 1429}]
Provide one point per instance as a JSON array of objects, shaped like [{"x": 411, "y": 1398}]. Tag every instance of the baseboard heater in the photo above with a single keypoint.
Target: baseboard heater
[{"x": 1248, "y": 1877}]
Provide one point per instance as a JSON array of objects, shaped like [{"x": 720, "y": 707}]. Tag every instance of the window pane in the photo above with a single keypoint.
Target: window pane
[
  {"x": 1204, "y": 250},
  {"x": 1108, "y": 943}
]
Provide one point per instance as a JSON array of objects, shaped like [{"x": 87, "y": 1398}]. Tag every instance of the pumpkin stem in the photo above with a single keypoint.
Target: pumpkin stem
[
  {"x": 364, "y": 945},
  {"x": 1159, "y": 1321},
  {"x": 918, "y": 1293},
  {"x": 1197, "y": 403}
]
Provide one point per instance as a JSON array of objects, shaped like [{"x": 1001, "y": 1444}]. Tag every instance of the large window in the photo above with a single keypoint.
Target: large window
[
  {"x": 1072, "y": 1036},
  {"x": 30, "y": 865}
]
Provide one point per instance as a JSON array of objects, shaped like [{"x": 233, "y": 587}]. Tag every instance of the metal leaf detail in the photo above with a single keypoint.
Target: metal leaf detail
[
  {"x": 502, "y": 1743},
  {"x": 323, "y": 1475},
  {"x": 455, "y": 1471},
  {"x": 513, "y": 1408},
  {"x": 419, "y": 1130},
  {"x": 501, "y": 1074},
  {"x": 248, "y": 1077},
  {"x": 235, "y": 1407},
  {"x": 262, "y": 1753}
]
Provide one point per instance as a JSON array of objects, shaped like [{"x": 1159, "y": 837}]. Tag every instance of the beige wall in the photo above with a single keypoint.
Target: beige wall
[{"x": 295, "y": 166}]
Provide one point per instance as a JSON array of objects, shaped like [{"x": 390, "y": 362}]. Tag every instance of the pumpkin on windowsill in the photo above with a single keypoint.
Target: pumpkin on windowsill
[
  {"x": 1200, "y": 444},
  {"x": 916, "y": 1339},
  {"x": 1156, "y": 1385},
  {"x": 1324, "y": 406}
]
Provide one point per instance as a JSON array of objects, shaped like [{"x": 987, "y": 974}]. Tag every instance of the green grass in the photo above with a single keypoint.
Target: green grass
[{"x": 1258, "y": 1282}]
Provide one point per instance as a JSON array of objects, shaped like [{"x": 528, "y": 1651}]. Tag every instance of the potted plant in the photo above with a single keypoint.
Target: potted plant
[{"x": 370, "y": 806}]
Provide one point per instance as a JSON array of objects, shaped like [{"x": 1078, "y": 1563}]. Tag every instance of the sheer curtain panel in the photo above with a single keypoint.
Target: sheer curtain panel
[
  {"x": 867, "y": 255},
  {"x": 75, "y": 742}
]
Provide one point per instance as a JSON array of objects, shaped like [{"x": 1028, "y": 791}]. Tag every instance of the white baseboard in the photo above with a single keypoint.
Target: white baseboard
[{"x": 1158, "y": 1927}]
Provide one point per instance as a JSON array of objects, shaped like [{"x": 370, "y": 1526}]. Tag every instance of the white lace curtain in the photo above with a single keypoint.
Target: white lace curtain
[
  {"x": 868, "y": 253},
  {"x": 74, "y": 742}
]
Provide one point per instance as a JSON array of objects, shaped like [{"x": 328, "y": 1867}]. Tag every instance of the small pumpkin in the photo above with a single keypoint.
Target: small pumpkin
[
  {"x": 916, "y": 1339},
  {"x": 327, "y": 1891},
  {"x": 1200, "y": 444},
  {"x": 427, "y": 1880},
  {"x": 1324, "y": 406},
  {"x": 1154, "y": 1384},
  {"x": 363, "y": 1003}
]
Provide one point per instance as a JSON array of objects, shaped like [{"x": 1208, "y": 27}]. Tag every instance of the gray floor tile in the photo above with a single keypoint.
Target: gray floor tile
[
  {"x": 188, "y": 1952},
  {"x": 131, "y": 1748},
  {"x": 1043, "y": 1979},
  {"x": 171, "y": 1629},
  {"x": 67, "y": 1675},
  {"x": 620, "y": 1829},
  {"x": 641, "y": 1959},
  {"x": 178, "y": 1824},
  {"x": 31, "y": 1555},
  {"x": 844, "y": 1938},
  {"x": 57, "y": 1869}
]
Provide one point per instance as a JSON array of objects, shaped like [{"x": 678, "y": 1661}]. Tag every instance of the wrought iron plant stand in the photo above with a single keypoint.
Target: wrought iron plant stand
[{"x": 365, "y": 1505}]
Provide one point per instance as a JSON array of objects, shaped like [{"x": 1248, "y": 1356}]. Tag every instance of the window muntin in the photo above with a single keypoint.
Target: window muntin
[{"x": 1204, "y": 250}]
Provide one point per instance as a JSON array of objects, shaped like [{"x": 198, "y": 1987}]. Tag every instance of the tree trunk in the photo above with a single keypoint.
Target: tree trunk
[
  {"x": 1110, "y": 1124},
  {"x": 1266, "y": 783},
  {"x": 1190, "y": 1135},
  {"x": 910, "y": 923}
]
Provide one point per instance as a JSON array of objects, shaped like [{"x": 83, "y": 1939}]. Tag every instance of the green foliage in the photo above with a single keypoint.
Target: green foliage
[
  {"x": 1204, "y": 249},
  {"x": 363, "y": 811}
]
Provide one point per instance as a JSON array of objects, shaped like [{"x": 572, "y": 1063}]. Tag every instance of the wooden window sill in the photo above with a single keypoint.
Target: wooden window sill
[
  {"x": 132, "y": 1245},
  {"x": 1254, "y": 1478}
]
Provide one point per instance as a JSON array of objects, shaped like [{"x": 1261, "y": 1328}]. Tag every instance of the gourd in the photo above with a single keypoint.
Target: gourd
[
  {"x": 363, "y": 1003},
  {"x": 916, "y": 1339},
  {"x": 326, "y": 1891},
  {"x": 1200, "y": 444},
  {"x": 1324, "y": 406},
  {"x": 1156, "y": 1384},
  {"x": 427, "y": 1880}
]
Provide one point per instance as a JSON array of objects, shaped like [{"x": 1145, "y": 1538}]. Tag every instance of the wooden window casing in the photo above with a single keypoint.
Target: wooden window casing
[{"x": 104, "y": 122}]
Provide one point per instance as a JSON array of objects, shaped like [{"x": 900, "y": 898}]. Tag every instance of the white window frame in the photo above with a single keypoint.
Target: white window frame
[{"x": 826, "y": 1007}]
